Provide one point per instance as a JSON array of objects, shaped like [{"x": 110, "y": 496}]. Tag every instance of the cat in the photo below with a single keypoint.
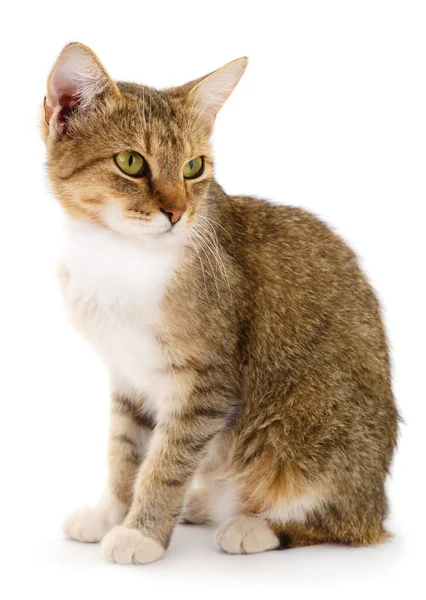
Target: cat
[{"x": 249, "y": 367}]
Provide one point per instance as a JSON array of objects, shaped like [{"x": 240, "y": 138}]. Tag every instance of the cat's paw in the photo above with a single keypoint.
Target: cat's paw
[
  {"x": 196, "y": 507},
  {"x": 86, "y": 524},
  {"x": 246, "y": 535},
  {"x": 126, "y": 546},
  {"x": 90, "y": 524}
]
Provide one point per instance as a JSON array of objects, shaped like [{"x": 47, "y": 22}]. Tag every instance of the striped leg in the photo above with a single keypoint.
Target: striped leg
[
  {"x": 178, "y": 445},
  {"x": 130, "y": 431}
]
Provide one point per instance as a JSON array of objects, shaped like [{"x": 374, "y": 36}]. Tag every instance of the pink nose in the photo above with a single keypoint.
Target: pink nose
[{"x": 173, "y": 213}]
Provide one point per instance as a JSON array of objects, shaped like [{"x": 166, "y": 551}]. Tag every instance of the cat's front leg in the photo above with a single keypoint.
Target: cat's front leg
[
  {"x": 176, "y": 449},
  {"x": 130, "y": 431}
]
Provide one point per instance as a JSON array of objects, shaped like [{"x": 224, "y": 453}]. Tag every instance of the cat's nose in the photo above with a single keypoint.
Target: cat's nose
[{"x": 173, "y": 213}]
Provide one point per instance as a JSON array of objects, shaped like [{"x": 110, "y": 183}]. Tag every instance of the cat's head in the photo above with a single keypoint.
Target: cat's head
[{"x": 128, "y": 157}]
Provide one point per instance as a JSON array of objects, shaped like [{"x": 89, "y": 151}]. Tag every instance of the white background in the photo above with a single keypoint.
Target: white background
[{"x": 330, "y": 116}]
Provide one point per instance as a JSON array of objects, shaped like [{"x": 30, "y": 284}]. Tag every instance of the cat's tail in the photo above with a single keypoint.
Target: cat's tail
[{"x": 294, "y": 535}]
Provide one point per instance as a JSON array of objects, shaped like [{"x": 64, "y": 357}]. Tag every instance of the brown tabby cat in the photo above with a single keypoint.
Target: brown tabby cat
[{"x": 244, "y": 345}]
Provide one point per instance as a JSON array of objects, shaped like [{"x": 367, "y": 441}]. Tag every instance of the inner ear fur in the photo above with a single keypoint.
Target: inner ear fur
[{"x": 76, "y": 82}]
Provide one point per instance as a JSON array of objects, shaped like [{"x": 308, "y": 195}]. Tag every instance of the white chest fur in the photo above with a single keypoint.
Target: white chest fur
[{"x": 113, "y": 290}]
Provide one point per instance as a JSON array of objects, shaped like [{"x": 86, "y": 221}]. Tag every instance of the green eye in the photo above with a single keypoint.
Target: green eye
[
  {"x": 131, "y": 163},
  {"x": 193, "y": 168}
]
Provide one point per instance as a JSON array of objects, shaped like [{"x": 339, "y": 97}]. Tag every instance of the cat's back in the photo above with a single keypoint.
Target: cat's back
[
  {"x": 287, "y": 247},
  {"x": 285, "y": 232},
  {"x": 302, "y": 281}
]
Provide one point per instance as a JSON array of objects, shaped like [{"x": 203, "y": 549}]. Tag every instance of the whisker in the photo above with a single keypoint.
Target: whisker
[
  {"x": 143, "y": 106},
  {"x": 193, "y": 245},
  {"x": 210, "y": 231},
  {"x": 210, "y": 220},
  {"x": 203, "y": 248},
  {"x": 211, "y": 241}
]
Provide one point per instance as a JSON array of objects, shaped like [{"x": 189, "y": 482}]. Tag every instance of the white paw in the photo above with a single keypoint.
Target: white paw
[
  {"x": 90, "y": 524},
  {"x": 127, "y": 546},
  {"x": 86, "y": 524},
  {"x": 245, "y": 535}
]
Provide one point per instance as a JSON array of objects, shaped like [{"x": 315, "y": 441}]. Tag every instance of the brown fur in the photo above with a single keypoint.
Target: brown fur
[{"x": 274, "y": 335}]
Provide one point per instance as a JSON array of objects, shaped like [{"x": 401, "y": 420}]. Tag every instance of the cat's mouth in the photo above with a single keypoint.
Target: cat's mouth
[
  {"x": 166, "y": 231},
  {"x": 139, "y": 233}
]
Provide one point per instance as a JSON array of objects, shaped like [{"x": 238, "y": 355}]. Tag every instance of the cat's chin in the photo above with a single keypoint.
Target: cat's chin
[
  {"x": 168, "y": 237},
  {"x": 145, "y": 236}
]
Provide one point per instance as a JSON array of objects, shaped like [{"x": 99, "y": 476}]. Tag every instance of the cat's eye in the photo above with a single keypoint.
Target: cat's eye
[
  {"x": 131, "y": 163},
  {"x": 193, "y": 168}
]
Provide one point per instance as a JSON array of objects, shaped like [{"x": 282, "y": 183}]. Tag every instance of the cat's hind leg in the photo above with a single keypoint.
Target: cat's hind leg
[
  {"x": 248, "y": 534},
  {"x": 303, "y": 518}
]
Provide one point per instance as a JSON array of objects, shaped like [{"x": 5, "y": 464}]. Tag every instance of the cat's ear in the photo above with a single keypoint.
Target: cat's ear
[
  {"x": 211, "y": 92},
  {"x": 75, "y": 83}
]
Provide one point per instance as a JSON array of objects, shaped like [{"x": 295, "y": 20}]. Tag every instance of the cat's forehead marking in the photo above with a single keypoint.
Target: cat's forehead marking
[{"x": 164, "y": 122}]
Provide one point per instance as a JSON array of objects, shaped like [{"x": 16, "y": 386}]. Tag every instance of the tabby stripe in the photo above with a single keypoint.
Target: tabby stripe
[
  {"x": 133, "y": 458},
  {"x": 173, "y": 482},
  {"x": 83, "y": 167},
  {"x": 124, "y": 406},
  {"x": 132, "y": 455},
  {"x": 195, "y": 446},
  {"x": 285, "y": 541},
  {"x": 124, "y": 439},
  {"x": 204, "y": 411},
  {"x": 141, "y": 420}
]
